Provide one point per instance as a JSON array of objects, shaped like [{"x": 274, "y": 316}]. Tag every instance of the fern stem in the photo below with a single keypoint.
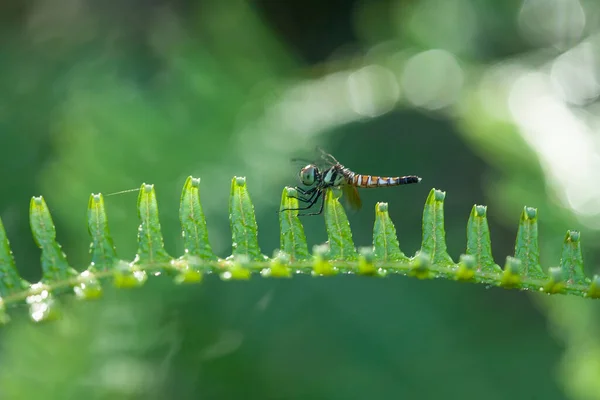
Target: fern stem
[{"x": 339, "y": 256}]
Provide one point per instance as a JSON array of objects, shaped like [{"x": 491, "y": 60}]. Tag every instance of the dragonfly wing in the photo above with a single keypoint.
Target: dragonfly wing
[
  {"x": 352, "y": 198},
  {"x": 326, "y": 157},
  {"x": 301, "y": 161},
  {"x": 321, "y": 162}
]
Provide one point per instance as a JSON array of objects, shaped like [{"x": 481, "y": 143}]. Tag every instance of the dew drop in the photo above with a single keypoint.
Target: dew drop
[
  {"x": 265, "y": 272},
  {"x": 42, "y": 306},
  {"x": 227, "y": 275}
]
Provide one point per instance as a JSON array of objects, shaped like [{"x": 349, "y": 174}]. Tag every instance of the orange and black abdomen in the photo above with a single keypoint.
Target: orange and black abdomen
[{"x": 371, "y": 181}]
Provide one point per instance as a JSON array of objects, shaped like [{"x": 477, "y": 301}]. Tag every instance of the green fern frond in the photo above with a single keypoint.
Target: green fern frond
[{"x": 338, "y": 255}]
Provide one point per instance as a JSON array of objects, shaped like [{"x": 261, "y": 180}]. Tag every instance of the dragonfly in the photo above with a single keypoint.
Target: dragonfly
[{"x": 332, "y": 174}]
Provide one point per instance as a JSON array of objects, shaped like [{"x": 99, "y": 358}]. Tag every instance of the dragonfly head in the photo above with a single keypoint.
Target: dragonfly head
[{"x": 309, "y": 175}]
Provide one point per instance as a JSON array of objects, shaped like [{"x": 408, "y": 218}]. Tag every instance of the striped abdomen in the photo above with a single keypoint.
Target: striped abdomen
[{"x": 370, "y": 181}]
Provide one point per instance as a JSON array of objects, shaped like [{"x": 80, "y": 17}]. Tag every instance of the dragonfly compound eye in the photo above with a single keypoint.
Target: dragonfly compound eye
[{"x": 308, "y": 175}]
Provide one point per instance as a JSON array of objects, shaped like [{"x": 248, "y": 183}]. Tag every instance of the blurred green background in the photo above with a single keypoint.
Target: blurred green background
[{"x": 494, "y": 102}]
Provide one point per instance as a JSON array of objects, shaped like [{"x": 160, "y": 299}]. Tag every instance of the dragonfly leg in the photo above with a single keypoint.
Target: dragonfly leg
[
  {"x": 310, "y": 203},
  {"x": 305, "y": 192},
  {"x": 305, "y": 200},
  {"x": 310, "y": 192},
  {"x": 318, "y": 212}
]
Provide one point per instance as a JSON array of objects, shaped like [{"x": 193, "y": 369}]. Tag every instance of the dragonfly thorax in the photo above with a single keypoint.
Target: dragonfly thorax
[
  {"x": 333, "y": 177},
  {"x": 309, "y": 175}
]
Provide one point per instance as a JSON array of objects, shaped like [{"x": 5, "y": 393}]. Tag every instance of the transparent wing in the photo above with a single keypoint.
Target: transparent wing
[
  {"x": 351, "y": 197},
  {"x": 300, "y": 162},
  {"x": 303, "y": 162},
  {"x": 326, "y": 157}
]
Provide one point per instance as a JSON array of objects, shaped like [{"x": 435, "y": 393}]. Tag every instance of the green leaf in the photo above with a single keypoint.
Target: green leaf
[
  {"x": 478, "y": 241},
  {"x": 244, "y": 230},
  {"x": 385, "y": 240},
  {"x": 341, "y": 246},
  {"x": 193, "y": 222},
  {"x": 102, "y": 248},
  {"x": 151, "y": 247},
  {"x": 571, "y": 261},
  {"x": 10, "y": 281},
  {"x": 292, "y": 239},
  {"x": 526, "y": 245},
  {"x": 54, "y": 262},
  {"x": 434, "y": 234},
  {"x": 151, "y": 251}
]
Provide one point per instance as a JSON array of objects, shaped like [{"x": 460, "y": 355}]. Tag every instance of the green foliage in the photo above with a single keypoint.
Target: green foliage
[
  {"x": 339, "y": 255},
  {"x": 385, "y": 241},
  {"x": 102, "y": 249},
  {"x": 11, "y": 281},
  {"x": 292, "y": 239},
  {"x": 341, "y": 246},
  {"x": 243, "y": 222},
  {"x": 478, "y": 241},
  {"x": 193, "y": 223},
  {"x": 54, "y": 261}
]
